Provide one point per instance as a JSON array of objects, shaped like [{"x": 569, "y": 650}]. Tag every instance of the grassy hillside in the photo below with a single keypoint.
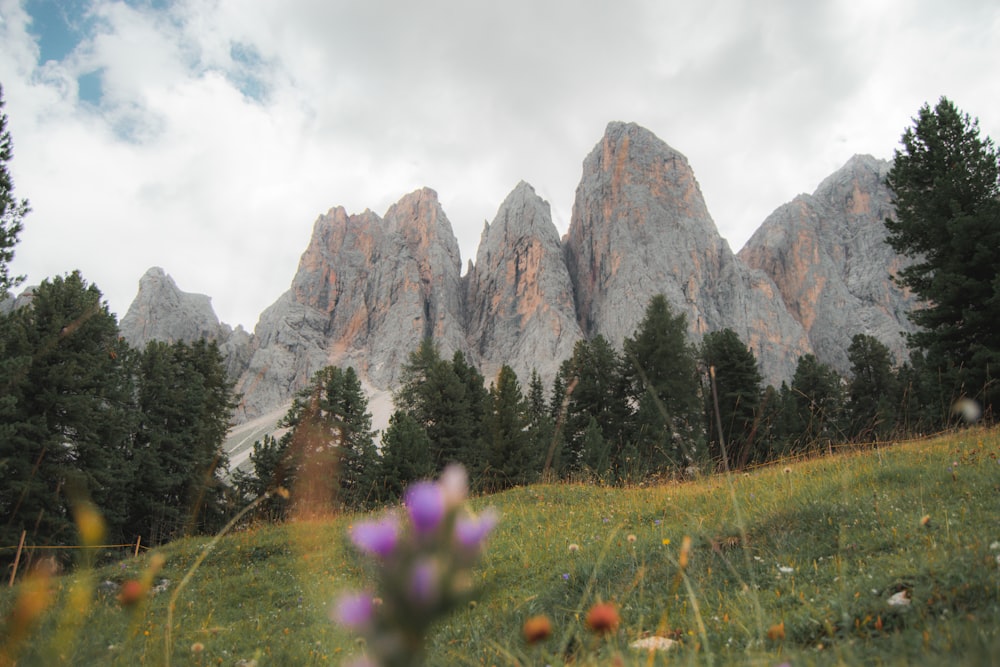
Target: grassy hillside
[{"x": 796, "y": 564}]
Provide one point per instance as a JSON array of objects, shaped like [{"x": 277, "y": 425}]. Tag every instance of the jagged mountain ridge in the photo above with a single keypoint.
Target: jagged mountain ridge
[{"x": 368, "y": 288}]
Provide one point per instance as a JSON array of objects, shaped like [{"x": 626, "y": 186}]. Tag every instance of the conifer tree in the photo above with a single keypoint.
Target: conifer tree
[
  {"x": 12, "y": 210},
  {"x": 946, "y": 187},
  {"x": 662, "y": 375},
  {"x": 510, "y": 458},
  {"x": 872, "y": 394},
  {"x": 738, "y": 388},
  {"x": 64, "y": 413},
  {"x": 816, "y": 401},
  {"x": 405, "y": 456}
]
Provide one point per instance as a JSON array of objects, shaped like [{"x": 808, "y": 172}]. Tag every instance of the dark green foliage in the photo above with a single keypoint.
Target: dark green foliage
[
  {"x": 872, "y": 395},
  {"x": 946, "y": 187},
  {"x": 449, "y": 401},
  {"x": 64, "y": 414},
  {"x": 328, "y": 456},
  {"x": 406, "y": 456},
  {"x": 268, "y": 474},
  {"x": 815, "y": 405},
  {"x": 594, "y": 390},
  {"x": 12, "y": 210},
  {"x": 738, "y": 388},
  {"x": 184, "y": 401},
  {"x": 511, "y": 457},
  {"x": 661, "y": 374}
]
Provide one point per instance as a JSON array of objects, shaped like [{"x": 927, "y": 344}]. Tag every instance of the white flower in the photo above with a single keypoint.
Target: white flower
[
  {"x": 995, "y": 546},
  {"x": 900, "y": 599},
  {"x": 653, "y": 644},
  {"x": 785, "y": 570}
]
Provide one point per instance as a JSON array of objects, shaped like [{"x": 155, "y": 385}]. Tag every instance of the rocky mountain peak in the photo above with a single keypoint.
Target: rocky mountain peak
[
  {"x": 161, "y": 311},
  {"x": 827, "y": 255},
  {"x": 640, "y": 227},
  {"x": 520, "y": 296}
]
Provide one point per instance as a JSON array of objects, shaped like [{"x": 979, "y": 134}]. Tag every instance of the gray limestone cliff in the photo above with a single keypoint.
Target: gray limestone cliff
[
  {"x": 161, "y": 311},
  {"x": 640, "y": 227},
  {"x": 367, "y": 290},
  {"x": 827, "y": 254},
  {"x": 520, "y": 297}
]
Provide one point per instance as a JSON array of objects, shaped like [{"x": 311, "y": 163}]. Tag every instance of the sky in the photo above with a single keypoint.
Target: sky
[{"x": 206, "y": 136}]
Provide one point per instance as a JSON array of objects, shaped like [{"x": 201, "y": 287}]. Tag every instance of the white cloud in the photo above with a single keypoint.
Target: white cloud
[{"x": 227, "y": 127}]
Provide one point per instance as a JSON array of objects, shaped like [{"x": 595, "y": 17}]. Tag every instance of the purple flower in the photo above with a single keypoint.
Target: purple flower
[
  {"x": 376, "y": 537},
  {"x": 424, "y": 580},
  {"x": 354, "y": 610},
  {"x": 566, "y": 576},
  {"x": 471, "y": 531},
  {"x": 425, "y": 503}
]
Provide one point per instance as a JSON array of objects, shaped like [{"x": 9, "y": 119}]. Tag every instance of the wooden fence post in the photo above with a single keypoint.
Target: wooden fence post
[
  {"x": 17, "y": 558},
  {"x": 138, "y": 539}
]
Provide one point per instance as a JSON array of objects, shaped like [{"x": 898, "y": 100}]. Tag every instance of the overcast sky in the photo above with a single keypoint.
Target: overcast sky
[{"x": 206, "y": 136}]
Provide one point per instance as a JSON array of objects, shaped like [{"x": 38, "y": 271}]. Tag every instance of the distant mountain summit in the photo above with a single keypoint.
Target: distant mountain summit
[{"x": 369, "y": 288}]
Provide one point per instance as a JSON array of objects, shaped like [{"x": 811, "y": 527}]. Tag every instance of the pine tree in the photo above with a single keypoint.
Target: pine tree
[
  {"x": 946, "y": 187},
  {"x": 816, "y": 401},
  {"x": 65, "y": 413},
  {"x": 662, "y": 375},
  {"x": 331, "y": 459},
  {"x": 185, "y": 403},
  {"x": 594, "y": 388},
  {"x": 872, "y": 394},
  {"x": 510, "y": 457},
  {"x": 12, "y": 210},
  {"x": 738, "y": 388},
  {"x": 406, "y": 456}
]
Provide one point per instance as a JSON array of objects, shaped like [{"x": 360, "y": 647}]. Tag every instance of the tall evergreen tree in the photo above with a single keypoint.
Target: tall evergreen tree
[
  {"x": 510, "y": 457},
  {"x": 816, "y": 401},
  {"x": 405, "y": 456},
  {"x": 593, "y": 389},
  {"x": 185, "y": 403},
  {"x": 946, "y": 187},
  {"x": 12, "y": 210},
  {"x": 872, "y": 394},
  {"x": 328, "y": 457},
  {"x": 738, "y": 388},
  {"x": 662, "y": 375},
  {"x": 447, "y": 399},
  {"x": 64, "y": 413}
]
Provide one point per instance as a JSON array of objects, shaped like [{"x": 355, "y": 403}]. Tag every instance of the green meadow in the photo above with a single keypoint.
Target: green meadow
[{"x": 874, "y": 556}]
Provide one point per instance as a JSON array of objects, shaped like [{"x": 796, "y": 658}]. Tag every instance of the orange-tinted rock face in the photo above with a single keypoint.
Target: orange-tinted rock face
[{"x": 640, "y": 227}]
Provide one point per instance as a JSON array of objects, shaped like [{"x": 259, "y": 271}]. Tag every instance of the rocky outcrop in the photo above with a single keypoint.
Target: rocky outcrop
[
  {"x": 640, "y": 227},
  {"x": 161, "y": 311},
  {"x": 520, "y": 297},
  {"x": 826, "y": 253},
  {"x": 367, "y": 290}
]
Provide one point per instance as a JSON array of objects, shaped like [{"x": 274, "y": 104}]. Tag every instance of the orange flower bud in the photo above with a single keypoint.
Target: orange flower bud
[{"x": 603, "y": 618}]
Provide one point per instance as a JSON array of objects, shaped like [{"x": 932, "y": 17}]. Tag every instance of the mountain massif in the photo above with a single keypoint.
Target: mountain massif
[{"x": 369, "y": 288}]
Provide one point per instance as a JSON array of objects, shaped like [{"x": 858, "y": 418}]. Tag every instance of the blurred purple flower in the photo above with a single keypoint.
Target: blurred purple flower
[
  {"x": 454, "y": 483},
  {"x": 376, "y": 537},
  {"x": 566, "y": 576},
  {"x": 354, "y": 610},
  {"x": 425, "y": 502},
  {"x": 424, "y": 580},
  {"x": 471, "y": 531}
]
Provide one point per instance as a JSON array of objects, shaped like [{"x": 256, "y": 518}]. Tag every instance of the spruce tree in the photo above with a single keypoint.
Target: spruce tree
[
  {"x": 816, "y": 402},
  {"x": 946, "y": 187},
  {"x": 511, "y": 459},
  {"x": 405, "y": 456},
  {"x": 872, "y": 394},
  {"x": 12, "y": 210},
  {"x": 65, "y": 414},
  {"x": 738, "y": 388},
  {"x": 662, "y": 375}
]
